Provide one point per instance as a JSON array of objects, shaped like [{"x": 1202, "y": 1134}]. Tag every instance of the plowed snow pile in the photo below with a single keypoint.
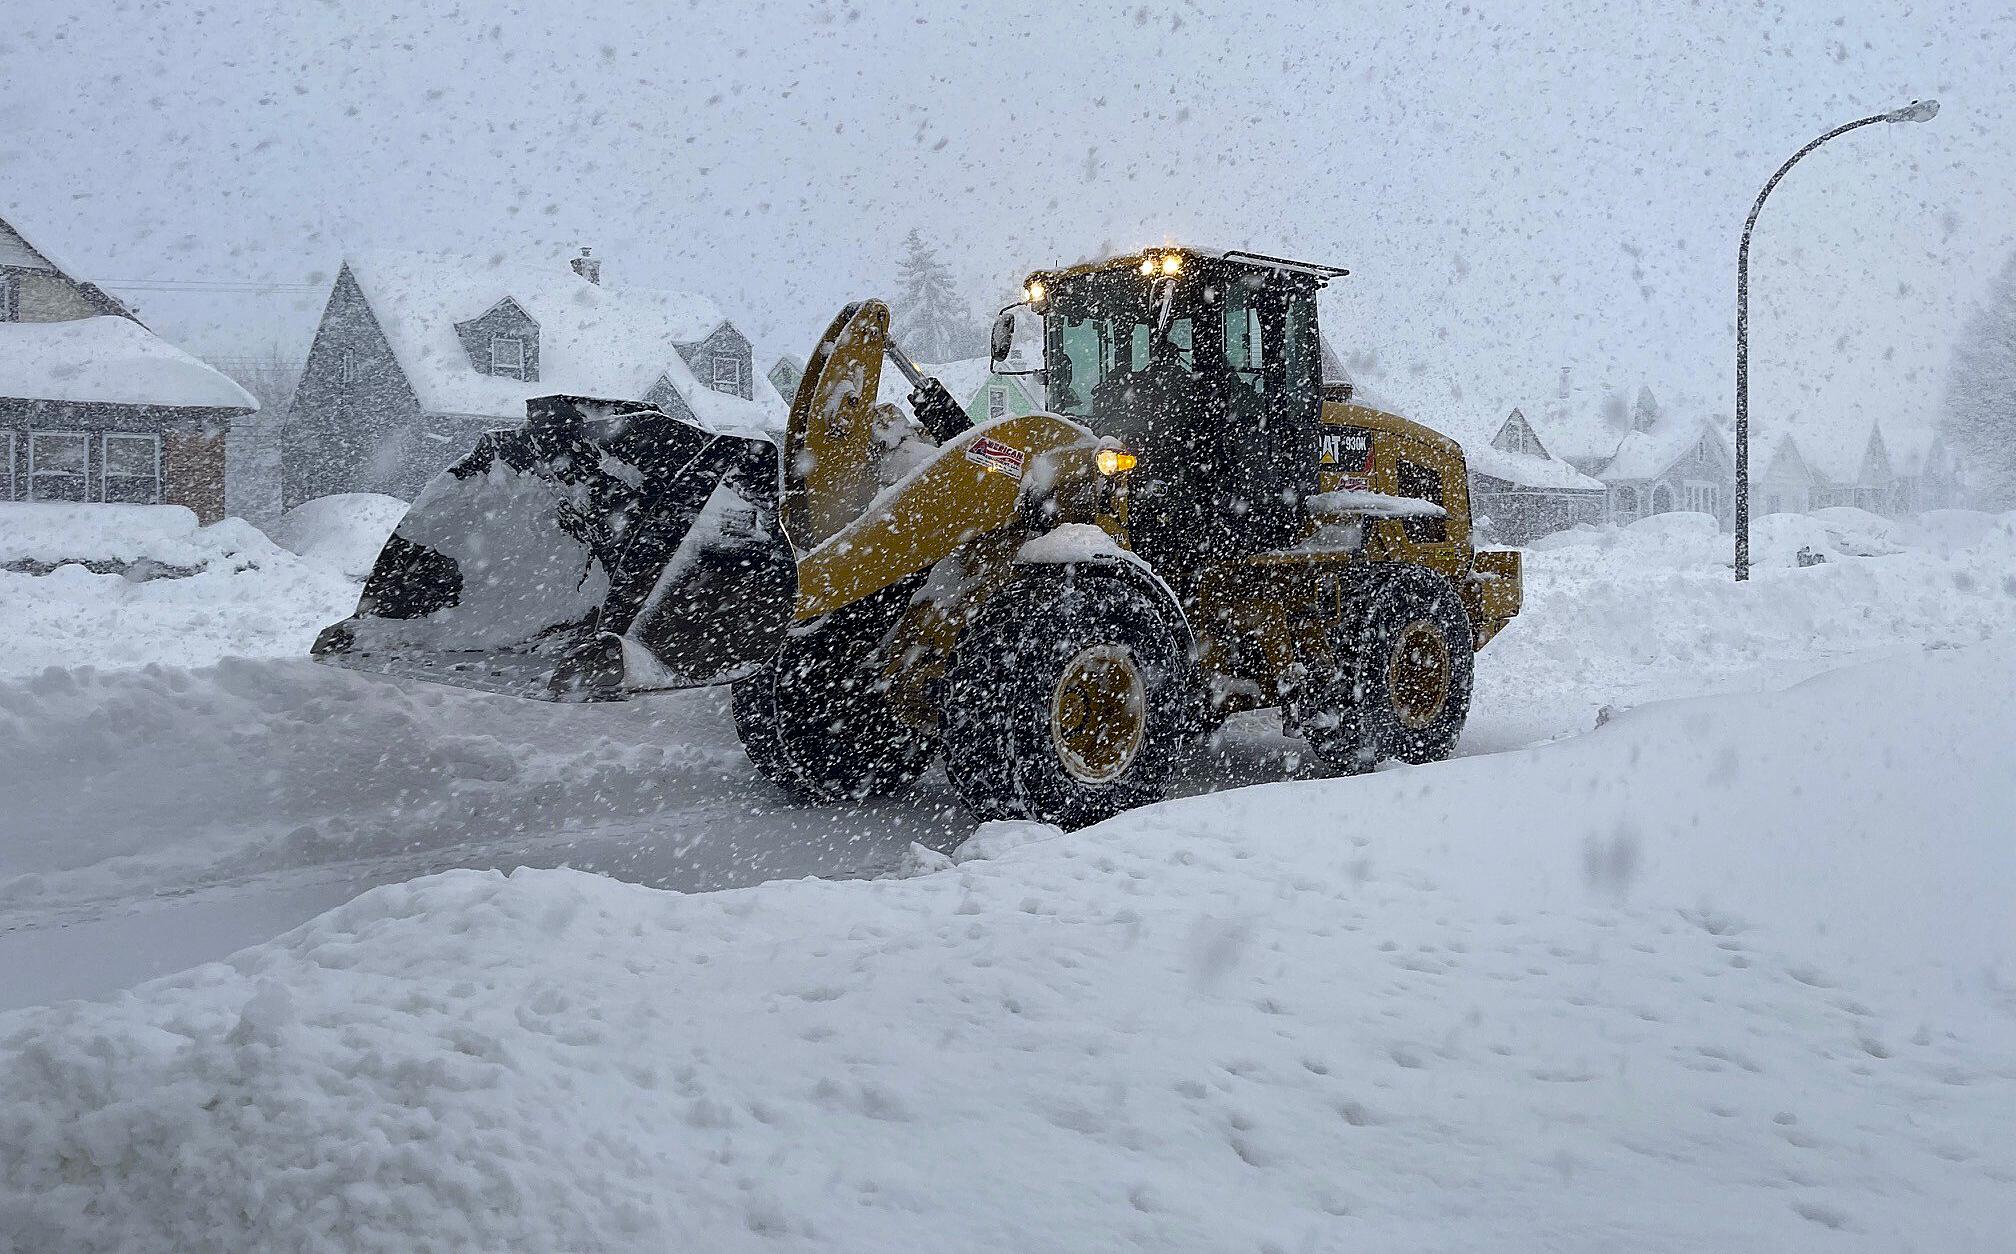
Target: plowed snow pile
[
  {"x": 246, "y": 597},
  {"x": 1725, "y": 974}
]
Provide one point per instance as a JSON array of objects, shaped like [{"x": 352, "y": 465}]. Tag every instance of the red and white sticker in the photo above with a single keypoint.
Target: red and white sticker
[{"x": 993, "y": 455}]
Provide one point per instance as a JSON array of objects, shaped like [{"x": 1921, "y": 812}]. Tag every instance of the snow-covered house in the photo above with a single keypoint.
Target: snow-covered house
[
  {"x": 982, "y": 393},
  {"x": 417, "y": 355},
  {"x": 1928, "y": 475},
  {"x": 1786, "y": 481},
  {"x": 1862, "y": 477},
  {"x": 1672, "y": 464},
  {"x": 96, "y": 407},
  {"x": 1519, "y": 490}
]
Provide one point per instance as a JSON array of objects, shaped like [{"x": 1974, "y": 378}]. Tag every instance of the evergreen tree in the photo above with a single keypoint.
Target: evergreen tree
[
  {"x": 932, "y": 323},
  {"x": 1980, "y": 416}
]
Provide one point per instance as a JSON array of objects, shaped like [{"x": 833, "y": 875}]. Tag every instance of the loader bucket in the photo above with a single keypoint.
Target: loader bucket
[{"x": 602, "y": 548}]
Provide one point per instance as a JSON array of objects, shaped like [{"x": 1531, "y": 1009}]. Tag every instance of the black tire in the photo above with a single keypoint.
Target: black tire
[
  {"x": 1403, "y": 686},
  {"x": 817, "y": 723},
  {"x": 1003, "y": 711}
]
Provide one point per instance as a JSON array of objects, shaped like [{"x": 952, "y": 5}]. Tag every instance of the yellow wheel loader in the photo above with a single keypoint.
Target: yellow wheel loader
[{"x": 1058, "y": 602}]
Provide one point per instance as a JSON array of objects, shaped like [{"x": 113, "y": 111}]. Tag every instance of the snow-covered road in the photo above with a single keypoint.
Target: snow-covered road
[
  {"x": 1725, "y": 974},
  {"x": 157, "y": 817},
  {"x": 1702, "y": 944}
]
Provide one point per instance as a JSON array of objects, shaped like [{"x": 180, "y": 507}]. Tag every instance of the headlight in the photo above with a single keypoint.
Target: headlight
[
  {"x": 1033, "y": 291},
  {"x": 1172, "y": 264},
  {"x": 1113, "y": 461},
  {"x": 1148, "y": 263}
]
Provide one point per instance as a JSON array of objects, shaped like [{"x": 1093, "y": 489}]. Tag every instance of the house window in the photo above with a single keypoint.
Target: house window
[
  {"x": 507, "y": 356},
  {"x": 1624, "y": 504},
  {"x": 1423, "y": 484},
  {"x": 58, "y": 462},
  {"x": 727, "y": 375},
  {"x": 130, "y": 468},
  {"x": 10, "y": 298},
  {"x": 353, "y": 369},
  {"x": 6, "y": 465},
  {"x": 997, "y": 402}
]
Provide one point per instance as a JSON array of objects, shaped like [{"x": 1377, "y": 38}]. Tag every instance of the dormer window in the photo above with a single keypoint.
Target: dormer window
[
  {"x": 507, "y": 356},
  {"x": 727, "y": 375}
]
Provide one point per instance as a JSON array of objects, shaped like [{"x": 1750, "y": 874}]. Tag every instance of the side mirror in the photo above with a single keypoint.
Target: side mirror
[
  {"x": 1002, "y": 341},
  {"x": 1016, "y": 345}
]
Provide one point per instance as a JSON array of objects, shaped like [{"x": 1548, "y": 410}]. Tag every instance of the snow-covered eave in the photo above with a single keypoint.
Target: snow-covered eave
[
  {"x": 165, "y": 411},
  {"x": 107, "y": 360}
]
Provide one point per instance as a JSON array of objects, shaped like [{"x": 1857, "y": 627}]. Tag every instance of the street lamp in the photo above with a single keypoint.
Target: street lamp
[{"x": 1916, "y": 111}]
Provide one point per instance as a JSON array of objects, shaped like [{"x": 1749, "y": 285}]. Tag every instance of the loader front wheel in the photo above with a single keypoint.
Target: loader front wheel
[
  {"x": 817, "y": 724},
  {"x": 1065, "y": 702}
]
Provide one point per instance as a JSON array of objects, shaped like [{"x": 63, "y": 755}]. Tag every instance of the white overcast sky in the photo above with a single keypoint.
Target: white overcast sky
[{"x": 1517, "y": 187}]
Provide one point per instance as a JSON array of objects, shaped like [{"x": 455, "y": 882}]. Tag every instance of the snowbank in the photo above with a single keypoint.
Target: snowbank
[
  {"x": 108, "y": 360},
  {"x": 344, "y": 531},
  {"x": 1748, "y": 992},
  {"x": 1617, "y": 617},
  {"x": 50, "y": 533},
  {"x": 240, "y": 593}
]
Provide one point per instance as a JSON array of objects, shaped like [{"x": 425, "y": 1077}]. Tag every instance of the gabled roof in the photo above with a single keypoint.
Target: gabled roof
[
  {"x": 1482, "y": 457},
  {"x": 1785, "y": 455},
  {"x": 16, "y": 249},
  {"x": 597, "y": 341},
  {"x": 108, "y": 360},
  {"x": 1575, "y": 428},
  {"x": 1911, "y": 445},
  {"x": 1650, "y": 454},
  {"x": 1846, "y": 453}
]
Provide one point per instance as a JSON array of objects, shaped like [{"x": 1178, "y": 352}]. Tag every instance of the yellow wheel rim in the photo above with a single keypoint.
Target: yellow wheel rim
[
  {"x": 1417, "y": 675},
  {"x": 1099, "y": 714}
]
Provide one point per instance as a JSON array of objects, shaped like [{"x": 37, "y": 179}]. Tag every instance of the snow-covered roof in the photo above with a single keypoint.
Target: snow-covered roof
[
  {"x": 1475, "y": 431},
  {"x": 108, "y": 360},
  {"x": 14, "y": 242},
  {"x": 16, "y": 249},
  {"x": 1909, "y": 444},
  {"x": 1526, "y": 469},
  {"x": 1649, "y": 454},
  {"x": 612, "y": 342},
  {"x": 1836, "y": 448}
]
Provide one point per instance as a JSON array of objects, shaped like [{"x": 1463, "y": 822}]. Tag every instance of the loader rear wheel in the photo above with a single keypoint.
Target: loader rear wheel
[
  {"x": 817, "y": 724},
  {"x": 1065, "y": 702},
  {"x": 1404, "y": 688}
]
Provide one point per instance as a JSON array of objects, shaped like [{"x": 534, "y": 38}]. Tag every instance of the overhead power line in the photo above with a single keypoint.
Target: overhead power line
[{"x": 206, "y": 285}]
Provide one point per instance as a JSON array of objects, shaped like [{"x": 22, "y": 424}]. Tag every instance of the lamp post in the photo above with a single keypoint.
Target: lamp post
[{"x": 1916, "y": 111}]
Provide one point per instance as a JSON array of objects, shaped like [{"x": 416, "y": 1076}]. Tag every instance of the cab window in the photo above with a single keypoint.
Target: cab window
[{"x": 1422, "y": 483}]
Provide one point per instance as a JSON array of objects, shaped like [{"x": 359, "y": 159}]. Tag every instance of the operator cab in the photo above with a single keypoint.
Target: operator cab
[{"x": 1206, "y": 366}]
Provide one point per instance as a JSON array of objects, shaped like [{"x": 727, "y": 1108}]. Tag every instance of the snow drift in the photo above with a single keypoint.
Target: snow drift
[
  {"x": 344, "y": 531},
  {"x": 1751, "y": 990},
  {"x": 241, "y": 594}
]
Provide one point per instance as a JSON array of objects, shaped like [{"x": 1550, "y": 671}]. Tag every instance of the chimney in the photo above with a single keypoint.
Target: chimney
[
  {"x": 1564, "y": 374},
  {"x": 587, "y": 267}
]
